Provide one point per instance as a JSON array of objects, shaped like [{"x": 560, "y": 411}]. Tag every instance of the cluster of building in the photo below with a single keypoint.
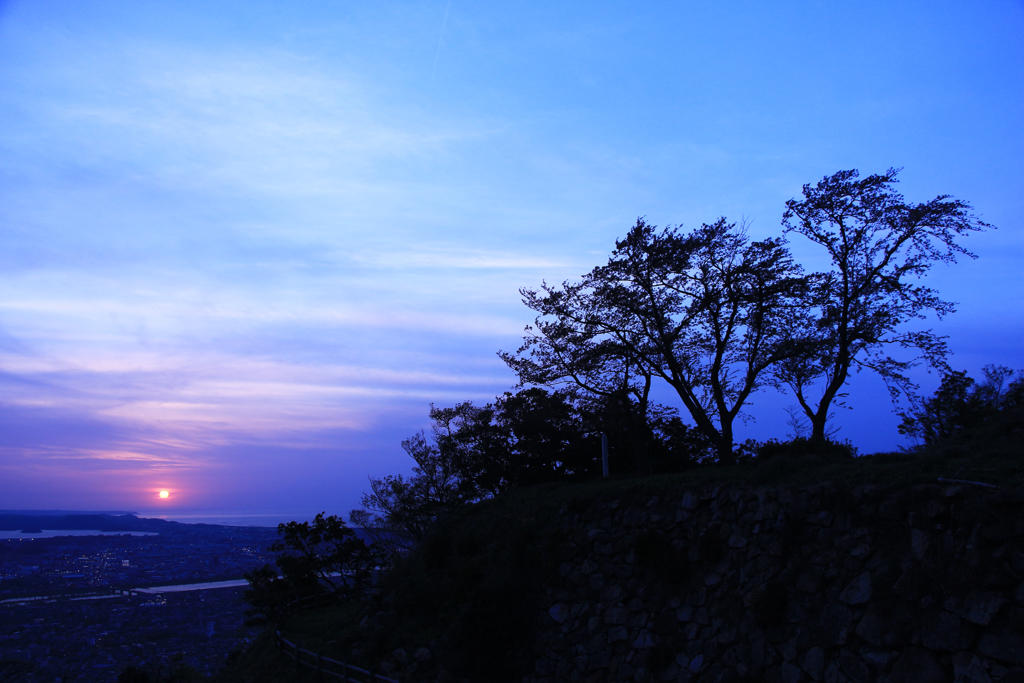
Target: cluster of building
[
  {"x": 186, "y": 553},
  {"x": 65, "y": 613},
  {"x": 94, "y": 639}
]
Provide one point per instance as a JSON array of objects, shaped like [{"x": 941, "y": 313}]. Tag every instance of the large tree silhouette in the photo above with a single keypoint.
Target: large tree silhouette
[
  {"x": 878, "y": 244},
  {"x": 706, "y": 312}
]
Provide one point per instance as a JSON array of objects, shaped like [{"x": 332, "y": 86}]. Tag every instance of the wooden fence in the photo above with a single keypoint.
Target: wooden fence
[{"x": 324, "y": 666}]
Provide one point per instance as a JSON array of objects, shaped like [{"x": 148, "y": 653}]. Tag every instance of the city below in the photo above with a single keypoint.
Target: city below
[{"x": 71, "y": 608}]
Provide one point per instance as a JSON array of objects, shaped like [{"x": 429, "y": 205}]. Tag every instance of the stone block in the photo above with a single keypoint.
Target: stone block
[
  {"x": 560, "y": 612},
  {"x": 665, "y": 624},
  {"x": 790, "y": 673},
  {"x": 616, "y": 615},
  {"x": 820, "y": 518},
  {"x": 611, "y": 594},
  {"x": 854, "y": 669},
  {"x": 858, "y": 591},
  {"x": 643, "y": 641},
  {"x": 1004, "y": 645},
  {"x": 600, "y": 660},
  {"x": 978, "y": 607},
  {"x": 967, "y": 668},
  {"x": 813, "y": 662},
  {"x": 836, "y": 624},
  {"x": 874, "y": 656},
  {"x": 919, "y": 542},
  {"x": 944, "y": 631},
  {"x": 736, "y": 541},
  {"x": 1014, "y": 675},
  {"x": 917, "y": 665},
  {"x": 809, "y": 581},
  {"x": 617, "y": 634},
  {"x": 833, "y": 673}
]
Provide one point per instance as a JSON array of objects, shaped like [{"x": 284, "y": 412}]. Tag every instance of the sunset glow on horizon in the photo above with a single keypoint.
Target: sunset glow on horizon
[{"x": 247, "y": 245}]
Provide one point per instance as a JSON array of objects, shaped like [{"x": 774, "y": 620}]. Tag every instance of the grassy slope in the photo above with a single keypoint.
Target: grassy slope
[{"x": 470, "y": 592}]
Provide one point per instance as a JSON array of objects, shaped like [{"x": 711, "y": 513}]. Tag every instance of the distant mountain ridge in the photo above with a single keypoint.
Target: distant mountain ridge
[
  {"x": 16, "y": 521},
  {"x": 61, "y": 513}
]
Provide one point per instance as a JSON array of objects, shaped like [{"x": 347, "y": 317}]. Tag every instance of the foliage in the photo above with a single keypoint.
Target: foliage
[
  {"x": 323, "y": 557},
  {"x": 268, "y": 596},
  {"x": 803, "y": 447},
  {"x": 877, "y": 244},
  {"x": 960, "y": 405},
  {"x": 525, "y": 438},
  {"x": 164, "y": 670},
  {"x": 474, "y": 585},
  {"x": 707, "y": 312},
  {"x": 398, "y": 511}
]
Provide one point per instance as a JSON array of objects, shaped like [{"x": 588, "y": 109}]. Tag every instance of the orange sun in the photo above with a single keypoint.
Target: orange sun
[{"x": 164, "y": 494}]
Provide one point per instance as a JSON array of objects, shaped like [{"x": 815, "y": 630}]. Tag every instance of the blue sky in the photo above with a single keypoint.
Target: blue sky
[{"x": 245, "y": 245}]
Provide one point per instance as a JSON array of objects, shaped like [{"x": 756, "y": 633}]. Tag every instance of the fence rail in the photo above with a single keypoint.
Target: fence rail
[{"x": 325, "y": 666}]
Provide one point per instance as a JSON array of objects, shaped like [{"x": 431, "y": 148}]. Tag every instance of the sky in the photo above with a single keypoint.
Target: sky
[{"x": 245, "y": 245}]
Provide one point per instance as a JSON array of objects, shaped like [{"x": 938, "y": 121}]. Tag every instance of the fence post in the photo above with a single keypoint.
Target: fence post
[
  {"x": 319, "y": 665},
  {"x": 298, "y": 664},
  {"x": 604, "y": 455}
]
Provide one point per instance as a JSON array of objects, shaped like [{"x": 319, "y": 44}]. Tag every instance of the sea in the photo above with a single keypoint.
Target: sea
[
  {"x": 231, "y": 517},
  {"x": 248, "y": 518}
]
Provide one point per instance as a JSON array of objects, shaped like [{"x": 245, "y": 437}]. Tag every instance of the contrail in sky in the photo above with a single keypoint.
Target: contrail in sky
[{"x": 440, "y": 38}]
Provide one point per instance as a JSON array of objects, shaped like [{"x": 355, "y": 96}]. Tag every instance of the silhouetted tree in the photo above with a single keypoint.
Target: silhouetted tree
[
  {"x": 325, "y": 556},
  {"x": 398, "y": 511},
  {"x": 877, "y": 244},
  {"x": 524, "y": 438},
  {"x": 707, "y": 312},
  {"x": 961, "y": 405}
]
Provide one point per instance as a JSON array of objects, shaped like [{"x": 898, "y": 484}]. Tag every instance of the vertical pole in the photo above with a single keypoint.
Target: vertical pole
[
  {"x": 604, "y": 455},
  {"x": 319, "y": 665},
  {"x": 298, "y": 664}
]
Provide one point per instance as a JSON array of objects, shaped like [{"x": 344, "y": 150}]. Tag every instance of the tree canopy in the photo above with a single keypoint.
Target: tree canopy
[
  {"x": 707, "y": 312},
  {"x": 878, "y": 246}
]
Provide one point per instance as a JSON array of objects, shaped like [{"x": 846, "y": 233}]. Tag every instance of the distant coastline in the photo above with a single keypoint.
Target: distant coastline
[
  {"x": 11, "y": 519},
  {"x": 61, "y": 513},
  {"x": 268, "y": 520},
  {"x": 54, "y": 533}
]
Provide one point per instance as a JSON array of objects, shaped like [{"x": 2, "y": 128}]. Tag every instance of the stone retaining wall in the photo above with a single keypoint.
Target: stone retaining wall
[{"x": 828, "y": 583}]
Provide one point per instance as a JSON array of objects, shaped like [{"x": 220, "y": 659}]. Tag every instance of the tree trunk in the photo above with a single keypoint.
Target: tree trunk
[
  {"x": 818, "y": 421},
  {"x": 724, "y": 446}
]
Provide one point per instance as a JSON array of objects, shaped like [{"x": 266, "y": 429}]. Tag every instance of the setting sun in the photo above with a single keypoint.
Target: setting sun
[{"x": 164, "y": 494}]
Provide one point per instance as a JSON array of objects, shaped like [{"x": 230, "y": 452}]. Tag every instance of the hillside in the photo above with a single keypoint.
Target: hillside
[{"x": 790, "y": 569}]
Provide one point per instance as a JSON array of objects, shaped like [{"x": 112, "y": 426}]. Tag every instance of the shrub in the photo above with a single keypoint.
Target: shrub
[
  {"x": 960, "y": 405},
  {"x": 323, "y": 557},
  {"x": 802, "y": 447}
]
